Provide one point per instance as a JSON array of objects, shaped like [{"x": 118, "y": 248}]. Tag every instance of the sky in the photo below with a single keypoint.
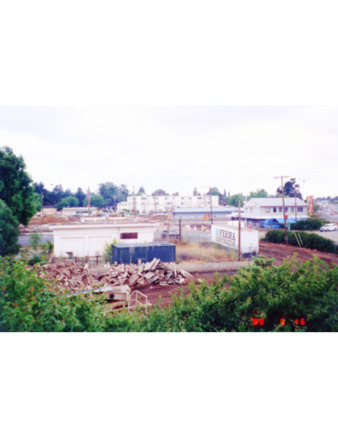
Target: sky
[{"x": 176, "y": 148}]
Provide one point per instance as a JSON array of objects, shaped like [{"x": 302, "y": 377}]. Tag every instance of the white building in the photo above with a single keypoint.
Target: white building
[
  {"x": 268, "y": 208},
  {"x": 145, "y": 204},
  {"x": 90, "y": 239}
]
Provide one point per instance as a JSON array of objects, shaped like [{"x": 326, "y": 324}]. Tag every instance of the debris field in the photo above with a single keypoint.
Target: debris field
[{"x": 72, "y": 277}]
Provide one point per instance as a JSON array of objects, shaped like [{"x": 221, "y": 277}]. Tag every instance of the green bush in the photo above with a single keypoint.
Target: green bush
[
  {"x": 290, "y": 297},
  {"x": 310, "y": 241},
  {"x": 9, "y": 231},
  {"x": 311, "y": 224},
  {"x": 30, "y": 303}
]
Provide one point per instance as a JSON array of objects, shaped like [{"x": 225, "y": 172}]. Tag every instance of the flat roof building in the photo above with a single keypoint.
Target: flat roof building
[
  {"x": 269, "y": 210},
  {"x": 205, "y": 213},
  {"x": 90, "y": 239}
]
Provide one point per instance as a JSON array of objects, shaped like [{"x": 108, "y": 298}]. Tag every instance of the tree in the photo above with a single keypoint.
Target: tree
[
  {"x": 141, "y": 191},
  {"x": 109, "y": 193},
  {"x": 80, "y": 195},
  {"x": 291, "y": 189},
  {"x": 160, "y": 192},
  {"x": 57, "y": 194},
  {"x": 9, "y": 231},
  {"x": 176, "y": 193},
  {"x": 122, "y": 193},
  {"x": 16, "y": 188},
  {"x": 235, "y": 198},
  {"x": 258, "y": 193},
  {"x": 68, "y": 193},
  {"x": 37, "y": 201},
  {"x": 214, "y": 191},
  {"x": 195, "y": 192},
  {"x": 67, "y": 202},
  {"x": 96, "y": 200}
]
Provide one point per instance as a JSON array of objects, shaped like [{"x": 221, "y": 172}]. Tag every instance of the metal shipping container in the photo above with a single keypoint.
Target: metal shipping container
[{"x": 133, "y": 252}]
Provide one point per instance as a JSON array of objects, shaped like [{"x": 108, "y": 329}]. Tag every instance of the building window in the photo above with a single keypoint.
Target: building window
[
  {"x": 275, "y": 210},
  {"x": 299, "y": 208},
  {"x": 286, "y": 209},
  {"x": 280, "y": 209},
  {"x": 129, "y": 236},
  {"x": 292, "y": 209}
]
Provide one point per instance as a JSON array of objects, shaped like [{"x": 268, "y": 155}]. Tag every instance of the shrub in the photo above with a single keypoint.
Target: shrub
[
  {"x": 310, "y": 241},
  {"x": 311, "y": 224},
  {"x": 9, "y": 231},
  {"x": 284, "y": 297},
  {"x": 289, "y": 297},
  {"x": 30, "y": 303}
]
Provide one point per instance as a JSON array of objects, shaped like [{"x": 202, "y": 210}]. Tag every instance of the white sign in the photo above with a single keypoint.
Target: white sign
[{"x": 228, "y": 236}]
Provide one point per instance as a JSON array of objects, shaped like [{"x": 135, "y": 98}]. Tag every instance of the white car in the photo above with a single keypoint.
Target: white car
[{"x": 328, "y": 227}]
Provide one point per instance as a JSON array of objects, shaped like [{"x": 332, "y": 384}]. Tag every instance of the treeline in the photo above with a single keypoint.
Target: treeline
[{"x": 108, "y": 195}]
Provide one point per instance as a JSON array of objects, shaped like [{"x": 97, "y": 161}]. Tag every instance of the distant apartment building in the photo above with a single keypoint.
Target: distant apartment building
[
  {"x": 268, "y": 211},
  {"x": 146, "y": 204}
]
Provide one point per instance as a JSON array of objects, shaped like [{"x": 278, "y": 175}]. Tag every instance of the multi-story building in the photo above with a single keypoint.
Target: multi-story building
[
  {"x": 146, "y": 204},
  {"x": 268, "y": 211}
]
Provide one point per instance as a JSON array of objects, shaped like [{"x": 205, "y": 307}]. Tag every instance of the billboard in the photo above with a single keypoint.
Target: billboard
[
  {"x": 310, "y": 200},
  {"x": 228, "y": 236}
]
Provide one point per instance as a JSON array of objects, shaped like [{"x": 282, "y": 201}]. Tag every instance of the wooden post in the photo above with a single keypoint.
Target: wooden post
[
  {"x": 180, "y": 229},
  {"x": 296, "y": 208},
  {"x": 285, "y": 228},
  {"x": 212, "y": 221},
  {"x": 239, "y": 230}
]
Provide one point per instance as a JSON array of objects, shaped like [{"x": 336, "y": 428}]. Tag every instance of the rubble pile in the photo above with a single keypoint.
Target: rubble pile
[{"x": 73, "y": 277}]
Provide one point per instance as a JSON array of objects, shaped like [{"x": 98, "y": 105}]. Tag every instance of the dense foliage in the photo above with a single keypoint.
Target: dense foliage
[
  {"x": 9, "y": 232},
  {"x": 69, "y": 201},
  {"x": 96, "y": 200},
  {"x": 235, "y": 198},
  {"x": 310, "y": 241},
  {"x": 258, "y": 193},
  {"x": 16, "y": 188},
  {"x": 30, "y": 303},
  {"x": 261, "y": 297},
  {"x": 311, "y": 224},
  {"x": 291, "y": 189}
]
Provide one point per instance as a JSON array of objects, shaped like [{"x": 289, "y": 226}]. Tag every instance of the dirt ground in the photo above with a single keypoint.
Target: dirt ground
[
  {"x": 52, "y": 218},
  {"x": 277, "y": 251}
]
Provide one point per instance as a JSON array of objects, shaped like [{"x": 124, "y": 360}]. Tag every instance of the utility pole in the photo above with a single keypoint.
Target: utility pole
[
  {"x": 239, "y": 230},
  {"x": 134, "y": 202},
  {"x": 296, "y": 208},
  {"x": 180, "y": 229},
  {"x": 285, "y": 228},
  {"x": 212, "y": 220},
  {"x": 88, "y": 194}
]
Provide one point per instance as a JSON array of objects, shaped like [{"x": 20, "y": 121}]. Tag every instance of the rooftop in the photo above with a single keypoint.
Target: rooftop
[{"x": 274, "y": 201}]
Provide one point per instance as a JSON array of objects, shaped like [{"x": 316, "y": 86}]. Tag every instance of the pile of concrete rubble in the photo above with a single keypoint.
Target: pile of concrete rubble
[{"x": 73, "y": 277}]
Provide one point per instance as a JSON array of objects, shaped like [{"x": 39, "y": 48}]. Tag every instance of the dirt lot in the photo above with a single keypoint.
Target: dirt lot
[
  {"x": 52, "y": 218},
  {"x": 277, "y": 251},
  {"x": 280, "y": 252}
]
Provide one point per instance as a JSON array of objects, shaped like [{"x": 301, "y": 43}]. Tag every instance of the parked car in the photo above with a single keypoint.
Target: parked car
[{"x": 328, "y": 227}]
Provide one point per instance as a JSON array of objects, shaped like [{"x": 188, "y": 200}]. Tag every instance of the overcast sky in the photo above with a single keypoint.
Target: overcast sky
[{"x": 237, "y": 148}]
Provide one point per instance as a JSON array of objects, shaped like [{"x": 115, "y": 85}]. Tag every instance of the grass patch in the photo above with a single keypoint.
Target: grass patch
[{"x": 200, "y": 253}]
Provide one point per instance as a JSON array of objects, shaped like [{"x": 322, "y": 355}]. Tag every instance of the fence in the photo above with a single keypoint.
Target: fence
[{"x": 89, "y": 260}]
